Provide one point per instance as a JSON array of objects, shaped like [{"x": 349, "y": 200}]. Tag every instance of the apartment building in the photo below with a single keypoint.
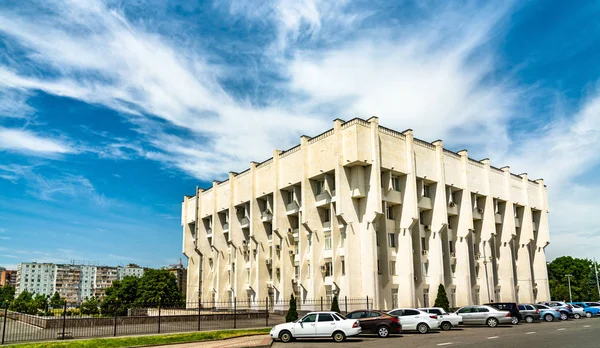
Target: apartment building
[
  {"x": 180, "y": 273},
  {"x": 75, "y": 283},
  {"x": 363, "y": 210},
  {"x": 8, "y": 277}
]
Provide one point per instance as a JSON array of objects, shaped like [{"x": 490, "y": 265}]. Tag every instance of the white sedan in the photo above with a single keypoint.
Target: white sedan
[
  {"x": 446, "y": 320},
  {"x": 414, "y": 319},
  {"x": 317, "y": 324}
]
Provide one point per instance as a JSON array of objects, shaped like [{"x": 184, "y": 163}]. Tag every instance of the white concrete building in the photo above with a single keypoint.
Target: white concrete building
[
  {"x": 363, "y": 210},
  {"x": 37, "y": 278},
  {"x": 129, "y": 272}
]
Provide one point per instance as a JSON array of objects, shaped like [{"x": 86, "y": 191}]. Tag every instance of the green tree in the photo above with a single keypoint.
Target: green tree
[
  {"x": 56, "y": 301},
  {"x": 120, "y": 296},
  {"x": 90, "y": 306},
  {"x": 335, "y": 307},
  {"x": 583, "y": 280},
  {"x": 158, "y": 286},
  {"x": 24, "y": 303},
  {"x": 441, "y": 299},
  {"x": 7, "y": 294},
  {"x": 292, "y": 314},
  {"x": 41, "y": 302}
]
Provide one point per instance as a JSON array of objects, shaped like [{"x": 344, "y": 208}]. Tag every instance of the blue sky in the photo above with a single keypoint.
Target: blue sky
[{"x": 111, "y": 111}]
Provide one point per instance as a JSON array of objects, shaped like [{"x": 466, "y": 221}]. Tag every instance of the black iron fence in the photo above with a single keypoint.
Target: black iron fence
[{"x": 66, "y": 323}]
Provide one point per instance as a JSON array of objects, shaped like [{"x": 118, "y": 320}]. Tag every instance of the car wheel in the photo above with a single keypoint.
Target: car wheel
[
  {"x": 285, "y": 336},
  {"x": 492, "y": 322},
  {"x": 339, "y": 336},
  {"x": 423, "y": 328},
  {"x": 576, "y": 315},
  {"x": 514, "y": 320},
  {"x": 529, "y": 319},
  {"x": 383, "y": 331},
  {"x": 549, "y": 318},
  {"x": 588, "y": 314},
  {"x": 446, "y": 326},
  {"x": 563, "y": 316}
]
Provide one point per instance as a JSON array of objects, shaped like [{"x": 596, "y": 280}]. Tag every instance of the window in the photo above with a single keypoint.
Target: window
[
  {"x": 422, "y": 218},
  {"x": 354, "y": 315},
  {"x": 328, "y": 269},
  {"x": 297, "y": 248},
  {"x": 326, "y": 214},
  {"x": 290, "y": 196},
  {"x": 397, "y": 313},
  {"x": 407, "y": 312},
  {"x": 308, "y": 270},
  {"x": 395, "y": 183},
  {"x": 320, "y": 187},
  {"x": 377, "y": 237},
  {"x": 343, "y": 267},
  {"x": 394, "y": 297},
  {"x": 426, "y": 297},
  {"x": 392, "y": 267},
  {"x": 521, "y": 307},
  {"x": 389, "y": 212},
  {"x": 325, "y": 317},
  {"x": 481, "y": 310},
  {"x": 425, "y": 268},
  {"x": 311, "y": 318},
  {"x": 465, "y": 310},
  {"x": 392, "y": 240},
  {"x": 342, "y": 238},
  {"x": 425, "y": 190},
  {"x": 378, "y": 267},
  {"x": 373, "y": 314},
  {"x": 423, "y": 243},
  {"x": 296, "y": 271},
  {"x": 328, "y": 242},
  {"x": 451, "y": 245}
]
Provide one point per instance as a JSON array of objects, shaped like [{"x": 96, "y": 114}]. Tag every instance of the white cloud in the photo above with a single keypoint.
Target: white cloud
[{"x": 21, "y": 140}]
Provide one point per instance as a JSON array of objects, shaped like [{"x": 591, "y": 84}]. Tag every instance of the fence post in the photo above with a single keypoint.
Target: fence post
[
  {"x": 346, "y": 303},
  {"x": 321, "y": 303},
  {"x": 64, "y": 320},
  {"x": 116, "y": 315},
  {"x": 5, "y": 320},
  {"x": 267, "y": 310},
  {"x": 367, "y": 302},
  {"x": 235, "y": 312},
  {"x": 159, "y": 305},
  {"x": 199, "y": 309}
]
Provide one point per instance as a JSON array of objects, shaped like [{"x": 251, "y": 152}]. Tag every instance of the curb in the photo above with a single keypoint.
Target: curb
[{"x": 263, "y": 345}]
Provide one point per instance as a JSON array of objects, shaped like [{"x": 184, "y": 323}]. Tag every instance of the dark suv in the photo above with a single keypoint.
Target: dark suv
[
  {"x": 509, "y": 307},
  {"x": 377, "y": 322}
]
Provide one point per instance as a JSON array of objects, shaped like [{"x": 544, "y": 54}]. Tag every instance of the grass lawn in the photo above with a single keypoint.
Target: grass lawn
[{"x": 138, "y": 341}]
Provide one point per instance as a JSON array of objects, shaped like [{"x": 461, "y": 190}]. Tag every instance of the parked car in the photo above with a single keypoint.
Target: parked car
[
  {"x": 484, "y": 315},
  {"x": 593, "y": 304},
  {"x": 446, "y": 321},
  {"x": 377, "y": 322},
  {"x": 414, "y": 319},
  {"x": 529, "y": 312},
  {"x": 510, "y": 307},
  {"x": 578, "y": 311},
  {"x": 547, "y": 313},
  {"x": 317, "y": 324},
  {"x": 566, "y": 310},
  {"x": 590, "y": 311}
]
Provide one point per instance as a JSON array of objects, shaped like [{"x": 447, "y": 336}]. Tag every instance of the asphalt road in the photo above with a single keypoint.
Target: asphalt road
[{"x": 581, "y": 333}]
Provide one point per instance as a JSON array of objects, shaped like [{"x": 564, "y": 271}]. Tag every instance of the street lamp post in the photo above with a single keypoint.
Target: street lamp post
[{"x": 569, "y": 280}]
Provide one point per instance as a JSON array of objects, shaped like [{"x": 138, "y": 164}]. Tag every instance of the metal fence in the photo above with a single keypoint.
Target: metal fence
[{"x": 160, "y": 318}]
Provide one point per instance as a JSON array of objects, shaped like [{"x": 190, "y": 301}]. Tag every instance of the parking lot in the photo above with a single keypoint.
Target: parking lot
[{"x": 559, "y": 334}]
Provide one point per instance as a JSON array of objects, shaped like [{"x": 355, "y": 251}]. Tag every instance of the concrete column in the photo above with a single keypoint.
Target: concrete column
[
  {"x": 543, "y": 240},
  {"x": 488, "y": 231},
  {"x": 439, "y": 224},
  {"x": 374, "y": 207},
  {"x": 408, "y": 219},
  {"x": 506, "y": 276},
  {"x": 523, "y": 255},
  {"x": 462, "y": 275}
]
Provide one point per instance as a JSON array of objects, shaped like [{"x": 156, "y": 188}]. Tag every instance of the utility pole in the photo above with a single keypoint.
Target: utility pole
[
  {"x": 569, "y": 280},
  {"x": 597, "y": 282},
  {"x": 487, "y": 280}
]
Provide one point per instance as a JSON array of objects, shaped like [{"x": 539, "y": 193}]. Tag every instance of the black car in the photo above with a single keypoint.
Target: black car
[
  {"x": 376, "y": 322},
  {"x": 511, "y": 307}
]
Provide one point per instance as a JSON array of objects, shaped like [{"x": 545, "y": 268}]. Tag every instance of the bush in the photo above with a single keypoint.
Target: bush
[
  {"x": 335, "y": 307},
  {"x": 292, "y": 314},
  {"x": 442, "y": 299}
]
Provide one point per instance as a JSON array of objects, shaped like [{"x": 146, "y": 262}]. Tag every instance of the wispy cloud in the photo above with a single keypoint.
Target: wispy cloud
[{"x": 22, "y": 140}]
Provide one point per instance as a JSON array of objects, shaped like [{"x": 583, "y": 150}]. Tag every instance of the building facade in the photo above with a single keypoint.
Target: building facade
[
  {"x": 75, "y": 283},
  {"x": 180, "y": 273},
  {"x": 363, "y": 210},
  {"x": 8, "y": 277}
]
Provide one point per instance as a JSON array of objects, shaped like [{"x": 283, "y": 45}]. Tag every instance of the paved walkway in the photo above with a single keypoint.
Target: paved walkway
[{"x": 237, "y": 342}]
